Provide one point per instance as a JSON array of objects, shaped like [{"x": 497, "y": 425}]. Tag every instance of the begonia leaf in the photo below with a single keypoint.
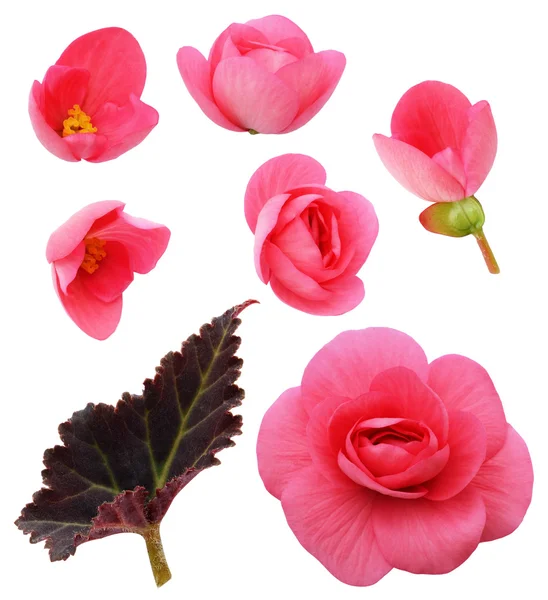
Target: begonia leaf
[{"x": 120, "y": 467}]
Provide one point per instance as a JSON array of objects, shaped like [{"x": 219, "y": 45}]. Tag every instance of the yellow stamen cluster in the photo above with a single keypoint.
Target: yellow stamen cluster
[
  {"x": 94, "y": 255},
  {"x": 78, "y": 122}
]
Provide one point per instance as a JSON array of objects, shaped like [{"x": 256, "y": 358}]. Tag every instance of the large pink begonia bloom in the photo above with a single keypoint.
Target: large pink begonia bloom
[
  {"x": 262, "y": 76},
  {"x": 442, "y": 147},
  {"x": 383, "y": 460},
  {"x": 94, "y": 256},
  {"x": 88, "y": 106},
  {"x": 309, "y": 240}
]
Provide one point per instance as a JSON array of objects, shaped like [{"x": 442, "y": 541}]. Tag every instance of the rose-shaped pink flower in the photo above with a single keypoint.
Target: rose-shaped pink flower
[
  {"x": 309, "y": 240},
  {"x": 262, "y": 77},
  {"x": 442, "y": 147},
  {"x": 382, "y": 460},
  {"x": 88, "y": 106},
  {"x": 93, "y": 257}
]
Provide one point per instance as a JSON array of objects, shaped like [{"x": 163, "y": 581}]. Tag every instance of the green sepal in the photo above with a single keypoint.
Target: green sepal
[{"x": 455, "y": 219}]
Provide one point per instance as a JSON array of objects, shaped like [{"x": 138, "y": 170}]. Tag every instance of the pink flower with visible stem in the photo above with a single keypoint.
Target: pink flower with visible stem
[
  {"x": 442, "y": 149},
  {"x": 94, "y": 256},
  {"x": 310, "y": 242},
  {"x": 262, "y": 76},
  {"x": 382, "y": 460},
  {"x": 88, "y": 106}
]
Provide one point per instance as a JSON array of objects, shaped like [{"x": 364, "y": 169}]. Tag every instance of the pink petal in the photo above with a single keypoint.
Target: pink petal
[
  {"x": 297, "y": 243},
  {"x": 410, "y": 398},
  {"x": 69, "y": 235},
  {"x": 67, "y": 268},
  {"x": 450, "y": 161},
  {"x": 281, "y": 445},
  {"x": 276, "y": 176},
  {"x": 63, "y": 88},
  {"x": 49, "y": 138},
  {"x": 428, "y": 537},
  {"x": 228, "y": 44},
  {"x": 479, "y": 147},
  {"x": 321, "y": 450},
  {"x": 295, "y": 46},
  {"x": 267, "y": 220},
  {"x": 113, "y": 275},
  {"x": 144, "y": 240},
  {"x": 314, "y": 78},
  {"x": 505, "y": 483},
  {"x": 431, "y": 116},
  {"x": 347, "y": 365},
  {"x": 116, "y": 64},
  {"x": 94, "y": 317},
  {"x": 195, "y": 73},
  {"x": 271, "y": 60},
  {"x": 86, "y": 146},
  {"x": 333, "y": 523},
  {"x": 465, "y": 385},
  {"x": 123, "y": 126},
  {"x": 467, "y": 441},
  {"x": 277, "y": 28},
  {"x": 253, "y": 98},
  {"x": 362, "y": 476},
  {"x": 416, "y": 172},
  {"x": 419, "y": 473},
  {"x": 344, "y": 294}
]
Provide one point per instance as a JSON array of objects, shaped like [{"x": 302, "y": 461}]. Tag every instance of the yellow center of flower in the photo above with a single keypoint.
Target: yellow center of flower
[
  {"x": 78, "y": 122},
  {"x": 94, "y": 255}
]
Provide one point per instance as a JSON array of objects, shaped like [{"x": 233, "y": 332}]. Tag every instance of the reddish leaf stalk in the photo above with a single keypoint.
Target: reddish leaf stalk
[{"x": 155, "y": 549}]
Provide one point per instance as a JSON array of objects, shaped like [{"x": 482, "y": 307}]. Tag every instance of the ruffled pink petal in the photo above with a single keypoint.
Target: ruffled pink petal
[
  {"x": 266, "y": 222},
  {"x": 276, "y": 176},
  {"x": 195, "y": 73},
  {"x": 362, "y": 476},
  {"x": 277, "y": 28},
  {"x": 333, "y": 523},
  {"x": 67, "y": 268},
  {"x": 144, "y": 240},
  {"x": 123, "y": 126},
  {"x": 344, "y": 294},
  {"x": 297, "y": 243},
  {"x": 235, "y": 37},
  {"x": 71, "y": 233},
  {"x": 347, "y": 365},
  {"x": 50, "y": 139},
  {"x": 86, "y": 146},
  {"x": 431, "y": 116},
  {"x": 467, "y": 441},
  {"x": 293, "y": 208},
  {"x": 94, "y": 317},
  {"x": 314, "y": 78},
  {"x": 428, "y": 537},
  {"x": 479, "y": 147},
  {"x": 113, "y": 275},
  {"x": 253, "y": 98},
  {"x": 281, "y": 446},
  {"x": 116, "y": 64},
  {"x": 419, "y": 473},
  {"x": 465, "y": 385},
  {"x": 409, "y": 398},
  {"x": 505, "y": 483},
  {"x": 321, "y": 450},
  {"x": 418, "y": 173},
  {"x": 63, "y": 88},
  {"x": 450, "y": 161}
]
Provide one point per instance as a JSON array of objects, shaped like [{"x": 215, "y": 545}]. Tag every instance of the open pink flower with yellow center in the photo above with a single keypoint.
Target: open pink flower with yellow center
[
  {"x": 382, "y": 460},
  {"x": 262, "y": 76},
  {"x": 441, "y": 149},
  {"x": 88, "y": 106},
  {"x": 94, "y": 256}
]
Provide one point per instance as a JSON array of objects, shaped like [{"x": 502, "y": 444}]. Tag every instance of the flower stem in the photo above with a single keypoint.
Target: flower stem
[
  {"x": 158, "y": 562},
  {"x": 488, "y": 255}
]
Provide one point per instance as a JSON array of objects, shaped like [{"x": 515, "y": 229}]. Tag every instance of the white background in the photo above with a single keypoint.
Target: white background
[{"x": 224, "y": 535}]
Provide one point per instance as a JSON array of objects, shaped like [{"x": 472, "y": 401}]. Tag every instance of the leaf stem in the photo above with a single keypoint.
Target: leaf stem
[
  {"x": 155, "y": 549},
  {"x": 486, "y": 251}
]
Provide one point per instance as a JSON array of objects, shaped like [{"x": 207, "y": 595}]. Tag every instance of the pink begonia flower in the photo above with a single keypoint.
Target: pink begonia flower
[
  {"x": 261, "y": 77},
  {"x": 94, "y": 256},
  {"x": 88, "y": 106},
  {"x": 309, "y": 240},
  {"x": 442, "y": 149},
  {"x": 382, "y": 460}
]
